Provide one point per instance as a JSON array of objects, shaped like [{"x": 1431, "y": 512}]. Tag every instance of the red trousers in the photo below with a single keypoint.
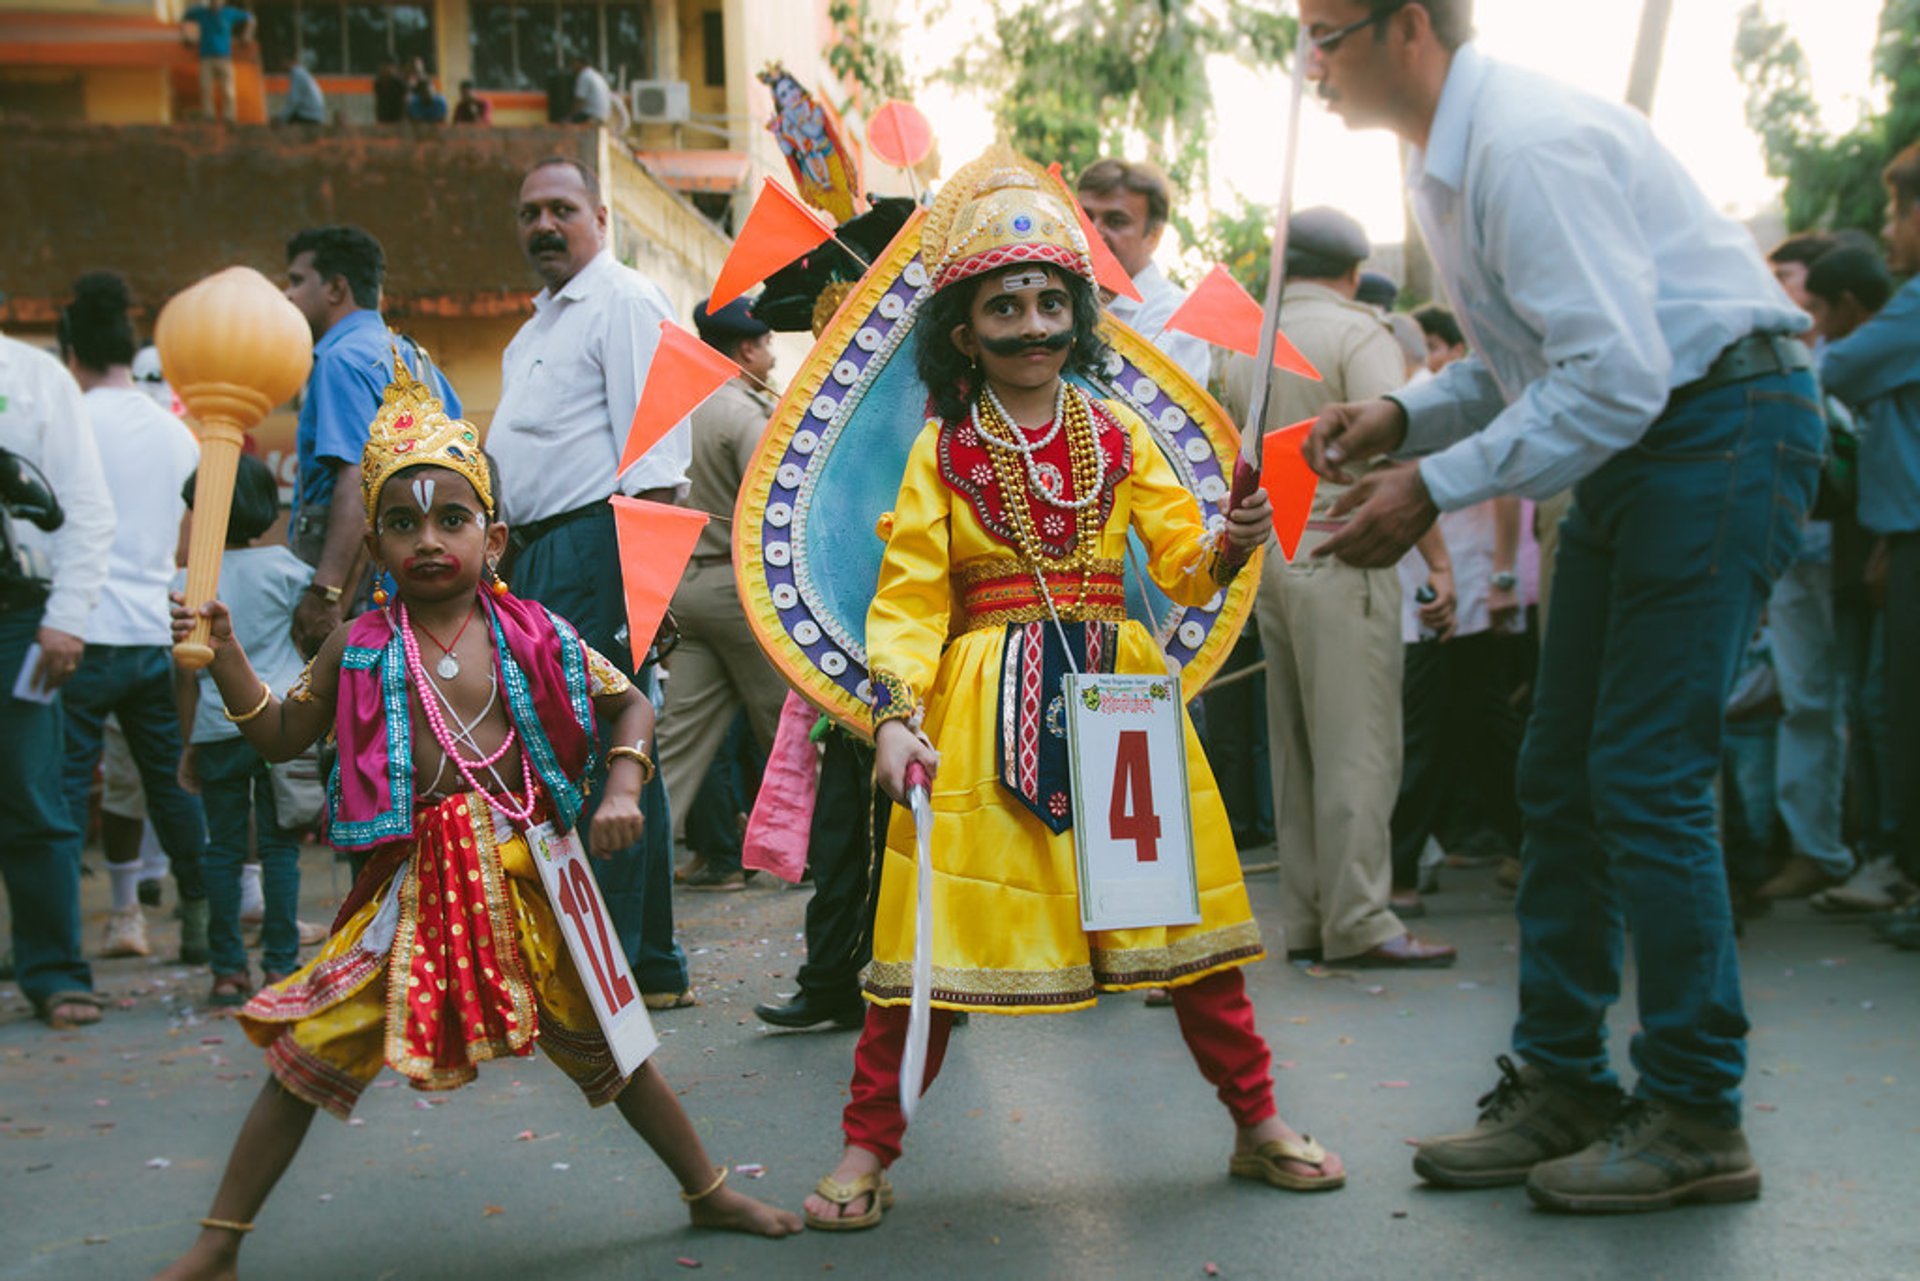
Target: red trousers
[{"x": 1216, "y": 1020}]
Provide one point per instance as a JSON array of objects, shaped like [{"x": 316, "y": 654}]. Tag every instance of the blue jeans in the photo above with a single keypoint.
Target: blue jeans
[
  {"x": 135, "y": 683},
  {"x": 1664, "y": 562},
  {"x": 1748, "y": 800},
  {"x": 1812, "y": 760},
  {"x": 574, "y": 571},
  {"x": 39, "y": 841},
  {"x": 237, "y": 790}
]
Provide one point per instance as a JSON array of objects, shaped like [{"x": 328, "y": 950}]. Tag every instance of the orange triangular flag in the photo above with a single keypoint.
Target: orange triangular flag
[
  {"x": 1106, "y": 268},
  {"x": 1219, "y": 311},
  {"x": 683, "y": 373},
  {"x": 656, "y": 541},
  {"x": 779, "y": 228},
  {"x": 1289, "y": 482}
]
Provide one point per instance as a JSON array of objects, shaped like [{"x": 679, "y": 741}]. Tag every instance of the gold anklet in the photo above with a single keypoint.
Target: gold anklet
[
  {"x": 227, "y": 1225},
  {"x": 719, "y": 1177}
]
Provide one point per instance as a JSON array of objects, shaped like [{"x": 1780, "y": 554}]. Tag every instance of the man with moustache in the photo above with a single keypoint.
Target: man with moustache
[
  {"x": 1628, "y": 341},
  {"x": 1127, "y": 202},
  {"x": 570, "y": 382}
]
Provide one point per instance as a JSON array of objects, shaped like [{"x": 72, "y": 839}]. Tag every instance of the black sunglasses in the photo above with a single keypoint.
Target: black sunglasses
[{"x": 1326, "y": 44}]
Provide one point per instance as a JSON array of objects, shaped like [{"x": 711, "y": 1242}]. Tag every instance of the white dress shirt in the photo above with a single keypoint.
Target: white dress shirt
[
  {"x": 1159, "y": 299},
  {"x": 146, "y": 455},
  {"x": 43, "y": 418},
  {"x": 569, "y": 384},
  {"x": 1589, "y": 273}
]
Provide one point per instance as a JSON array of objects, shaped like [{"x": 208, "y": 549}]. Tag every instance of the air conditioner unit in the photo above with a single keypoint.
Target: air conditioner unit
[{"x": 660, "y": 102}]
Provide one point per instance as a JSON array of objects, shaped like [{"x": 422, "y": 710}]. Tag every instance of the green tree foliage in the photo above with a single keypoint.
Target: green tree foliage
[
  {"x": 1075, "y": 80},
  {"x": 1831, "y": 180},
  {"x": 864, "y": 52}
]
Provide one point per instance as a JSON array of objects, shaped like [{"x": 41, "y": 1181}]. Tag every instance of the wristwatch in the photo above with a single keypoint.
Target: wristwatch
[
  {"x": 331, "y": 595},
  {"x": 1505, "y": 580}
]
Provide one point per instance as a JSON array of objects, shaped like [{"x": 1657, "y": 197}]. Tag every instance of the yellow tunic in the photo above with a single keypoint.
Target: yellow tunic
[{"x": 1007, "y": 936}]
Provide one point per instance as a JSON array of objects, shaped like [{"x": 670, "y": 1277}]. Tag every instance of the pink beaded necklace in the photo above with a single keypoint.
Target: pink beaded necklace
[{"x": 430, "y": 697}]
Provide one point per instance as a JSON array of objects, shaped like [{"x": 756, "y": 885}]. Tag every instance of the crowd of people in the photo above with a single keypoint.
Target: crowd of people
[{"x": 1607, "y": 580}]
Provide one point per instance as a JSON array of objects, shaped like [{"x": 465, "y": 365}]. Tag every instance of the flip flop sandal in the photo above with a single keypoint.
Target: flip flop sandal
[
  {"x": 845, "y": 1194},
  {"x": 670, "y": 1000},
  {"x": 45, "y": 1009},
  {"x": 1266, "y": 1164},
  {"x": 230, "y": 990}
]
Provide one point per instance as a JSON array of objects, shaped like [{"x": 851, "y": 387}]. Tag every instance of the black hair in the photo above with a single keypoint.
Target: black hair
[
  {"x": 949, "y": 373},
  {"x": 1451, "y": 20},
  {"x": 1805, "y": 248},
  {"x": 256, "y": 500},
  {"x": 1436, "y": 321},
  {"x": 96, "y": 328},
  {"x": 347, "y": 252},
  {"x": 1141, "y": 177},
  {"x": 1855, "y": 271},
  {"x": 588, "y": 178}
]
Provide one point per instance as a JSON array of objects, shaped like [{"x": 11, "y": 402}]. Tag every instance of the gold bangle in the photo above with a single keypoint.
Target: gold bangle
[
  {"x": 633, "y": 754},
  {"x": 227, "y": 1225},
  {"x": 266, "y": 697},
  {"x": 719, "y": 1171}
]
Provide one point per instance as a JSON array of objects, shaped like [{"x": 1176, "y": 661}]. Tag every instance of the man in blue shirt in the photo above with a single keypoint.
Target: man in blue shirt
[
  {"x": 1628, "y": 341},
  {"x": 211, "y": 28},
  {"x": 1876, "y": 370},
  {"x": 334, "y": 275}
]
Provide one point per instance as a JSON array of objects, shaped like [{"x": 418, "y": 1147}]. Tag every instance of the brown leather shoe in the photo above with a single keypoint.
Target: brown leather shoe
[
  {"x": 1405, "y": 952},
  {"x": 1800, "y": 878},
  {"x": 1407, "y": 904}
]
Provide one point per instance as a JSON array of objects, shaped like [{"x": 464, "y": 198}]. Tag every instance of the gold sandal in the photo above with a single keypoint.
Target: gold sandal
[
  {"x": 845, "y": 1194},
  {"x": 1266, "y": 1163}
]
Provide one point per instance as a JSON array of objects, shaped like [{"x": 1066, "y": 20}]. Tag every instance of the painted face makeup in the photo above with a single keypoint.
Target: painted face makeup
[
  {"x": 1020, "y": 346},
  {"x": 423, "y": 493},
  {"x": 1015, "y": 281}
]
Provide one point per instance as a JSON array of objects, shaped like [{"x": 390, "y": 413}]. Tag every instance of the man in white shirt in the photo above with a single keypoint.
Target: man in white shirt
[
  {"x": 1628, "y": 341},
  {"x": 592, "y": 96},
  {"x": 1127, "y": 200},
  {"x": 570, "y": 382},
  {"x": 46, "y": 597},
  {"x": 146, "y": 455}
]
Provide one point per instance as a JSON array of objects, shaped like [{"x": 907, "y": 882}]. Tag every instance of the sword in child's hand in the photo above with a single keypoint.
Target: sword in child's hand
[{"x": 913, "y": 1066}]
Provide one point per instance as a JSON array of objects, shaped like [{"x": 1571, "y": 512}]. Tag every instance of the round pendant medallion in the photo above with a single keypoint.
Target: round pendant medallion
[{"x": 448, "y": 667}]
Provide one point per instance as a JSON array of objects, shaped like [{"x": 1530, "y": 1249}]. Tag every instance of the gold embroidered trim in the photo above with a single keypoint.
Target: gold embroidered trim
[
  {"x": 893, "y": 699},
  {"x": 603, "y": 678},
  {"x": 981, "y": 569},
  {"x": 1182, "y": 957},
  {"x": 302, "y": 691}
]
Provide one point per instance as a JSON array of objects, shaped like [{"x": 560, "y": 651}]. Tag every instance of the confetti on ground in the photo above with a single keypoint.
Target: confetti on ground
[
  {"x": 356, "y": 1120},
  {"x": 561, "y": 1165},
  {"x": 1466, "y": 985},
  {"x": 1288, "y": 1063},
  {"x": 525, "y": 1136},
  {"x": 1376, "y": 990},
  {"x": 1211, "y": 1269},
  {"x": 1766, "y": 1107},
  {"x": 158, "y": 1163},
  {"x": 752, "y": 1170},
  {"x": 1394, "y": 1085},
  {"x": 95, "y": 1240},
  {"x": 425, "y": 1105},
  {"x": 213, "y": 1040},
  {"x": 103, "y": 1103},
  {"x": 1399, "y": 1214},
  {"x": 686, "y": 1262},
  {"x": 487, "y": 1212}
]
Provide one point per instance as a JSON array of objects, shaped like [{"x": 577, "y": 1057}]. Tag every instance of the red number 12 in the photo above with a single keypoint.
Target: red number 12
[
  {"x": 578, "y": 903},
  {"x": 1133, "y": 779}
]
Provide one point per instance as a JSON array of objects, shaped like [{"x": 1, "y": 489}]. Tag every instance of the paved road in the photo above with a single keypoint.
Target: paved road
[{"x": 1079, "y": 1146}]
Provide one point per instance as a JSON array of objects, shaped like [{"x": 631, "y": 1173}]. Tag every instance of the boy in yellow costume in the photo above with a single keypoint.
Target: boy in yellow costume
[
  {"x": 463, "y": 717},
  {"x": 1014, "y": 509}
]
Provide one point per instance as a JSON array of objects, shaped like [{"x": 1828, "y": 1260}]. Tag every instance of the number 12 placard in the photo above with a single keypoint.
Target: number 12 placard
[
  {"x": 1132, "y": 834},
  {"x": 594, "y": 946}
]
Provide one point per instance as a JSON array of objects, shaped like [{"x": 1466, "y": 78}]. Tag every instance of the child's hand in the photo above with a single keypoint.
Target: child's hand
[
  {"x": 187, "y": 773},
  {"x": 220, "y": 630},
  {"x": 897, "y": 745},
  {"x": 617, "y": 824},
  {"x": 1249, "y": 524}
]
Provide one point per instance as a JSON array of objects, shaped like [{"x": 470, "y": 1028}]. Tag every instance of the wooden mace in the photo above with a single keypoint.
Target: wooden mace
[{"x": 233, "y": 347}]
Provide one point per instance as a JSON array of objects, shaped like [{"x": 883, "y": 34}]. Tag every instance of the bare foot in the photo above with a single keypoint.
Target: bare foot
[
  {"x": 730, "y": 1211},
  {"x": 214, "y": 1256},
  {"x": 1332, "y": 1169},
  {"x": 854, "y": 1163},
  {"x": 64, "y": 1015}
]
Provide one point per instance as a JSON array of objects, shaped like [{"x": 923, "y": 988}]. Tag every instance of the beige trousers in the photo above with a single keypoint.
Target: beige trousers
[
  {"x": 217, "y": 94},
  {"x": 716, "y": 670},
  {"x": 1334, "y": 658}
]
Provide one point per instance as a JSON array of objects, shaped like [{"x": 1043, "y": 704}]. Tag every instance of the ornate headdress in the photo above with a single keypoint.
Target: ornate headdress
[
  {"x": 412, "y": 430},
  {"x": 999, "y": 210}
]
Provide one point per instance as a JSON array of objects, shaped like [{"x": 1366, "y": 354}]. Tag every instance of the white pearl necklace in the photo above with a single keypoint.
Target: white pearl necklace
[{"x": 1027, "y": 449}]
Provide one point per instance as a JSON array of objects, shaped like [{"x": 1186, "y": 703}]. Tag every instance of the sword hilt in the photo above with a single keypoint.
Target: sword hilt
[{"x": 1246, "y": 479}]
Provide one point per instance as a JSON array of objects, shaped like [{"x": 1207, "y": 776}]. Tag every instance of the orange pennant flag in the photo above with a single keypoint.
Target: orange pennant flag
[
  {"x": 1289, "y": 482},
  {"x": 779, "y": 228},
  {"x": 683, "y": 373},
  {"x": 1106, "y": 268},
  {"x": 1219, "y": 311},
  {"x": 656, "y": 542}
]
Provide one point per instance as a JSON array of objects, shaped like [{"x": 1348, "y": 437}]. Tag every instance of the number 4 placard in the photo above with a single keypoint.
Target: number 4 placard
[
  {"x": 1132, "y": 838},
  {"x": 594, "y": 946}
]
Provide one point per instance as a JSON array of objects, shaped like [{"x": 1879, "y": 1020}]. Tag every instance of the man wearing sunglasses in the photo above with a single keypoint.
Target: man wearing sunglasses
[{"x": 1628, "y": 341}]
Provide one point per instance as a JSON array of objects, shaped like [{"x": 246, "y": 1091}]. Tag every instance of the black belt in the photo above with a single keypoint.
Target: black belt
[
  {"x": 1754, "y": 356},
  {"x": 533, "y": 530}
]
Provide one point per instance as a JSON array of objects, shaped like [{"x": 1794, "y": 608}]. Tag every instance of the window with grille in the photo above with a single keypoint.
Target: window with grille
[
  {"x": 520, "y": 46},
  {"x": 345, "y": 37}
]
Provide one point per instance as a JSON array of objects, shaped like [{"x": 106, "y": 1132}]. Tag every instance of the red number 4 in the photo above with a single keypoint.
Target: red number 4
[{"x": 1133, "y": 781}]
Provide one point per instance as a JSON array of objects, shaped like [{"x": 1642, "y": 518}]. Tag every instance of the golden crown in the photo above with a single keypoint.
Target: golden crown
[
  {"x": 412, "y": 430},
  {"x": 998, "y": 210}
]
